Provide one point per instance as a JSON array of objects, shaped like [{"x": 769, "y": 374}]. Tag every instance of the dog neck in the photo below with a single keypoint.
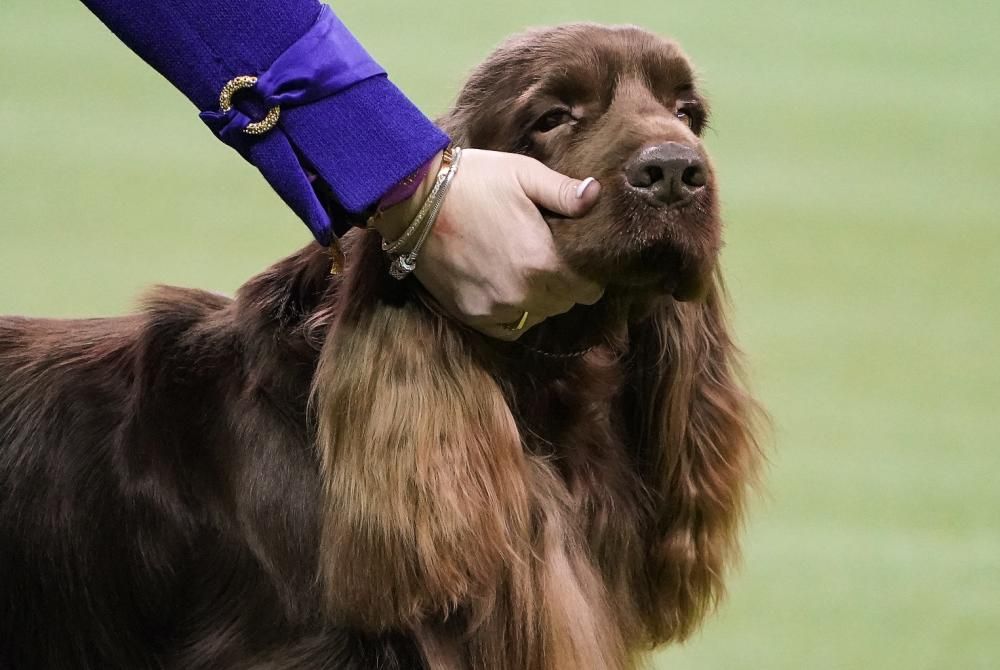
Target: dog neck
[{"x": 301, "y": 297}]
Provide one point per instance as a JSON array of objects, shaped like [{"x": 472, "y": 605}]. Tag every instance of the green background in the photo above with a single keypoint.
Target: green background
[{"x": 859, "y": 155}]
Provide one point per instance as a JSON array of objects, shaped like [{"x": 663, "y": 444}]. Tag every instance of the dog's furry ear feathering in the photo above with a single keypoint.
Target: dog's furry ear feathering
[
  {"x": 694, "y": 425},
  {"x": 436, "y": 519},
  {"x": 425, "y": 502}
]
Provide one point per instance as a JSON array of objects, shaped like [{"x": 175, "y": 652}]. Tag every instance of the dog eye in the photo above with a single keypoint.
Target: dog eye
[
  {"x": 553, "y": 119},
  {"x": 693, "y": 116}
]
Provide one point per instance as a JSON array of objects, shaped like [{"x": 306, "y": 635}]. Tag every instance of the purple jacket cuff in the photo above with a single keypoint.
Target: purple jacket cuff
[{"x": 360, "y": 140}]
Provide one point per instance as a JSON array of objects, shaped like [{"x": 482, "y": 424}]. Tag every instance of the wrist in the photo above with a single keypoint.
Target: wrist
[{"x": 391, "y": 222}]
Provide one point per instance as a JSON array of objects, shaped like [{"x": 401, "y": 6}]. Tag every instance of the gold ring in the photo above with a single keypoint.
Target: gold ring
[
  {"x": 516, "y": 326},
  {"x": 269, "y": 121}
]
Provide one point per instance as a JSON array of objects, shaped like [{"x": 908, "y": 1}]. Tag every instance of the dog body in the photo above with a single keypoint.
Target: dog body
[{"x": 329, "y": 473}]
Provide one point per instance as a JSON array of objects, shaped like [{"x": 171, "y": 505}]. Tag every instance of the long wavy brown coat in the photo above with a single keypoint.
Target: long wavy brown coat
[{"x": 329, "y": 473}]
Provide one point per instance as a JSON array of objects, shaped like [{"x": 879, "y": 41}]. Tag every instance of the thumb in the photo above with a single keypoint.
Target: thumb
[{"x": 557, "y": 192}]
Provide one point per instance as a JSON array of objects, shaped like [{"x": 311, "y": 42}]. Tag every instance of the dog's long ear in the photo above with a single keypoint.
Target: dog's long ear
[
  {"x": 694, "y": 424},
  {"x": 425, "y": 497}
]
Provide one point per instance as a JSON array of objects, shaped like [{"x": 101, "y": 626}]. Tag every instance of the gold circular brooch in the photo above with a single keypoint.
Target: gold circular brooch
[{"x": 269, "y": 121}]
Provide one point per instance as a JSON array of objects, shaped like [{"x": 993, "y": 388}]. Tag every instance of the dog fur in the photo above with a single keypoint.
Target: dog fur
[{"x": 328, "y": 472}]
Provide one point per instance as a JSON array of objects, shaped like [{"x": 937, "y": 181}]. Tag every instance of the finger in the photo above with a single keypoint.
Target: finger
[
  {"x": 588, "y": 293},
  {"x": 490, "y": 326},
  {"x": 579, "y": 289},
  {"x": 520, "y": 319},
  {"x": 554, "y": 306},
  {"x": 507, "y": 331},
  {"x": 564, "y": 287},
  {"x": 557, "y": 192},
  {"x": 539, "y": 307},
  {"x": 497, "y": 330}
]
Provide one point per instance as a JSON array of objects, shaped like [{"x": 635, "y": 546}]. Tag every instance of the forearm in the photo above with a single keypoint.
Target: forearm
[
  {"x": 199, "y": 45},
  {"x": 361, "y": 139}
]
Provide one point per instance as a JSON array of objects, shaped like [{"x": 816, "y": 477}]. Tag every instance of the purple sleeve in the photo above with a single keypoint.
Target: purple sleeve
[{"x": 361, "y": 140}]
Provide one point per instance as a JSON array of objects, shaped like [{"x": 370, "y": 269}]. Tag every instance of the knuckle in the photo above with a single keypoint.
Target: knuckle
[
  {"x": 542, "y": 261},
  {"x": 512, "y": 296},
  {"x": 470, "y": 307}
]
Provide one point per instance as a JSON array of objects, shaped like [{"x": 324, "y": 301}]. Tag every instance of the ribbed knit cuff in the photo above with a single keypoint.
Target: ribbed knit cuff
[{"x": 362, "y": 142}]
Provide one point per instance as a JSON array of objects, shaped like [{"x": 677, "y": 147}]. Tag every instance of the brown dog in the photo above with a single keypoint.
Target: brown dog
[{"x": 172, "y": 497}]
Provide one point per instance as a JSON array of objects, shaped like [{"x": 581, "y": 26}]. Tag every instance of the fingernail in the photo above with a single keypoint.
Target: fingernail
[{"x": 582, "y": 188}]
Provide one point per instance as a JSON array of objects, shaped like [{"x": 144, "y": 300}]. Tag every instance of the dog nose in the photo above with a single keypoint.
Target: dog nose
[{"x": 670, "y": 173}]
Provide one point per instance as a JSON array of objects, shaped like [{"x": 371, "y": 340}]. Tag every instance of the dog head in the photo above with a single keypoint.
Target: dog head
[{"x": 622, "y": 105}]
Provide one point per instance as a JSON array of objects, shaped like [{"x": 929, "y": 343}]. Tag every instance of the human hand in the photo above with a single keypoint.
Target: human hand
[{"x": 490, "y": 256}]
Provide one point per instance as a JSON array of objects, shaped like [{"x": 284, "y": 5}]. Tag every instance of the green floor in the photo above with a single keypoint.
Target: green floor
[{"x": 859, "y": 149}]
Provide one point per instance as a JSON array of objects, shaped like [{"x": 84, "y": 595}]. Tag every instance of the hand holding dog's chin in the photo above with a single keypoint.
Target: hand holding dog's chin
[{"x": 491, "y": 256}]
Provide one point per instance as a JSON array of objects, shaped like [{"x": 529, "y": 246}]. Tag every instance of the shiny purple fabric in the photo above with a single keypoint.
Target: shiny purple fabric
[
  {"x": 360, "y": 141},
  {"x": 325, "y": 60}
]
